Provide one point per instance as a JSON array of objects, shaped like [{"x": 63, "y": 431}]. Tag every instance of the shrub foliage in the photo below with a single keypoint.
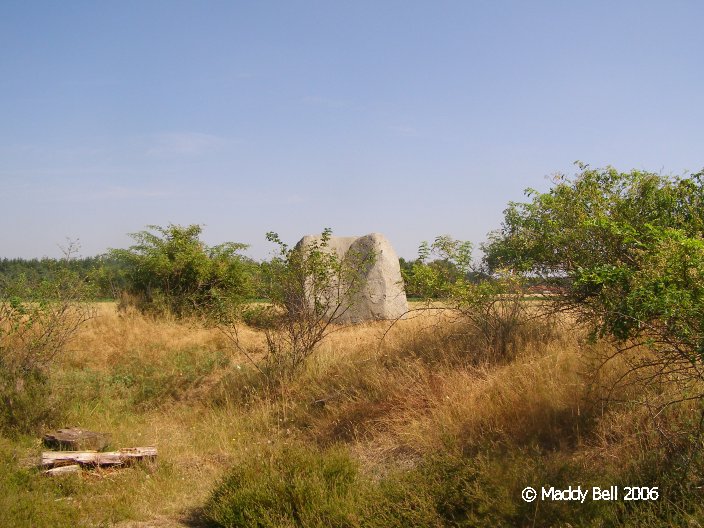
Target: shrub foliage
[
  {"x": 170, "y": 270},
  {"x": 627, "y": 252}
]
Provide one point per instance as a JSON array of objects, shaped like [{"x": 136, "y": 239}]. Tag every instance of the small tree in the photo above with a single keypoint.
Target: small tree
[
  {"x": 308, "y": 288},
  {"x": 169, "y": 270},
  {"x": 37, "y": 320}
]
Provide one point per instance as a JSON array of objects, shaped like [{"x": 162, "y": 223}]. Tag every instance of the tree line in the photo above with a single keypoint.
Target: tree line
[{"x": 110, "y": 273}]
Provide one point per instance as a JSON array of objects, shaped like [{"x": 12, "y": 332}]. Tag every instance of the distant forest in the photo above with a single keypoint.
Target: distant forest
[{"x": 102, "y": 271}]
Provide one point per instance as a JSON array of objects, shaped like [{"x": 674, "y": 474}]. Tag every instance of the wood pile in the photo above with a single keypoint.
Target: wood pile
[{"x": 85, "y": 452}]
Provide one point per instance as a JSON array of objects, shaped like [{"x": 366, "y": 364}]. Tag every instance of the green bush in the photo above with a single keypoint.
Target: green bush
[
  {"x": 626, "y": 248},
  {"x": 170, "y": 271},
  {"x": 305, "y": 488},
  {"x": 288, "y": 487},
  {"x": 301, "y": 487},
  {"x": 627, "y": 252}
]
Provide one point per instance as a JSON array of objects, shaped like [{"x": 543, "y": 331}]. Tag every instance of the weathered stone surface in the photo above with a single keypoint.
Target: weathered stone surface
[
  {"x": 76, "y": 439},
  {"x": 382, "y": 295}
]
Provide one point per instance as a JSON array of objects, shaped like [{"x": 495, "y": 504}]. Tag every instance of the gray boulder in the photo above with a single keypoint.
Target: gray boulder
[{"x": 380, "y": 294}]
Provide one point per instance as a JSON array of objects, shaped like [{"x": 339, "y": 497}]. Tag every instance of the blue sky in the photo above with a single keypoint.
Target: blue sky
[{"x": 408, "y": 118}]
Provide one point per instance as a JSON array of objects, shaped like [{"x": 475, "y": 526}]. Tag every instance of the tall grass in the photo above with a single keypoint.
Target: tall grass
[{"x": 422, "y": 428}]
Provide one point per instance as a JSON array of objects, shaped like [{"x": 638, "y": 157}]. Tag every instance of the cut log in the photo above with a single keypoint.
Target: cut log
[
  {"x": 63, "y": 470},
  {"x": 76, "y": 439},
  {"x": 93, "y": 458}
]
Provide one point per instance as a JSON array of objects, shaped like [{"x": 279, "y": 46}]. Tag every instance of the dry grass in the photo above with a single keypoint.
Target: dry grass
[
  {"x": 102, "y": 343},
  {"x": 424, "y": 389}
]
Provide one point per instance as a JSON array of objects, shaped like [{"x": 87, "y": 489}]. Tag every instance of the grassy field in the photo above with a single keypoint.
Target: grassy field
[{"x": 424, "y": 428}]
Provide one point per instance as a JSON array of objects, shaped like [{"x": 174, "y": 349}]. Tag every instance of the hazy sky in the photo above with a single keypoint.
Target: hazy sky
[{"x": 412, "y": 119}]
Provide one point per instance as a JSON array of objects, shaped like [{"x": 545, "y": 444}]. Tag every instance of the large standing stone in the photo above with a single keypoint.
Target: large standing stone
[{"x": 381, "y": 295}]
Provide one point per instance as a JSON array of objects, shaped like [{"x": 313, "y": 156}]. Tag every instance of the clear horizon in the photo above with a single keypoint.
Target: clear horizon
[{"x": 406, "y": 118}]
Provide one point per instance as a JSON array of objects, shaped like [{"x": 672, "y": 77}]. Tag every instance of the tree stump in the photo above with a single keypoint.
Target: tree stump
[{"x": 76, "y": 439}]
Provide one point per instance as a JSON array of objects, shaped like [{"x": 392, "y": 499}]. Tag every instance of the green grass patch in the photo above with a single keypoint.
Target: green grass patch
[{"x": 147, "y": 382}]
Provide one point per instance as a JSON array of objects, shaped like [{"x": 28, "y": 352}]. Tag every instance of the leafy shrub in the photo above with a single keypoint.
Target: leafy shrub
[
  {"x": 627, "y": 251},
  {"x": 169, "y": 270}
]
